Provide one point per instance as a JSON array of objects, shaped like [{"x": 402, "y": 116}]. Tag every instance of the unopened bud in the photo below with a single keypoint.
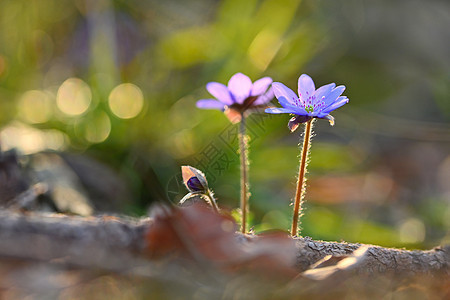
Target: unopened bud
[
  {"x": 194, "y": 179},
  {"x": 294, "y": 122}
]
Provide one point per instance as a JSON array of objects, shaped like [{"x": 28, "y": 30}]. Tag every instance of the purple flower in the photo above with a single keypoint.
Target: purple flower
[
  {"x": 310, "y": 103},
  {"x": 241, "y": 95}
]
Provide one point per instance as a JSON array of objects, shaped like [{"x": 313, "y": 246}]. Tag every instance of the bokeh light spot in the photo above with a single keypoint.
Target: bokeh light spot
[
  {"x": 412, "y": 231},
  {"x": 126, "y": 101},
  {"x": 30, "y": 140},
  {"x": 35, "y": 107},
  {"x": 74, "y": 97},
  {"x": 98, "y": 128}
]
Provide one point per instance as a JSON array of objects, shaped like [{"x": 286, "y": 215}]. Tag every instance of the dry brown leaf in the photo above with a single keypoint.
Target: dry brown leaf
[{"x": 201, "y": 234}]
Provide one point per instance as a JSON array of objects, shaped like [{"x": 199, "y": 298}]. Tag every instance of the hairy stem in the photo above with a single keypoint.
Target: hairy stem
[
  {"x": 213, "y": 200},
  {"x": 301, "y": 183},
  {"x": 243, "y": 149}
]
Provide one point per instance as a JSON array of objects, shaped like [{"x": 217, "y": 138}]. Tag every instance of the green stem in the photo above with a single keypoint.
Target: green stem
[
  {"x": 243, "y": 146},
  {"x": 301, "y": 183}
]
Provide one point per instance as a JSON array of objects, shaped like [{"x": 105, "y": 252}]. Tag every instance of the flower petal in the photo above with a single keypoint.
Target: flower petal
[
  {"x": 264, "y": 99},
  {"x": 306, "y": 87},
  {"x": 280, "y": 90},
  {"x": 260, "y": 86},
  {"x": 330, "y": 119},
  {"x": 278, "y": 110},
  {"x": 323, "y": 91},
  {"x": 333, "y": 95},
  {"x": 240, "y": 87},
  {"x": 299, "y": 110},
  {"x": 210, "y": 104},
  {"x": 220, "y": 91},
  {"x": 339, "y": 102}
]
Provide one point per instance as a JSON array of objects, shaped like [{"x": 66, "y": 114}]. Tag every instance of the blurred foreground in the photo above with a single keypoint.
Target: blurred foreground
[{"x": 195, "y": 253}]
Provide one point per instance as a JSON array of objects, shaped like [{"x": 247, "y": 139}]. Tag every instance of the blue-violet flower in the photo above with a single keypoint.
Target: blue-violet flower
[
  {"x": 239, "y": 97},
  {"x": 310, "y": 103}
]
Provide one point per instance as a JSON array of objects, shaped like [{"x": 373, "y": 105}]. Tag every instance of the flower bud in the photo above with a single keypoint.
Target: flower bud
[
  {"x": 294, "y": 122},
  {"x": 194, "y": 179}
]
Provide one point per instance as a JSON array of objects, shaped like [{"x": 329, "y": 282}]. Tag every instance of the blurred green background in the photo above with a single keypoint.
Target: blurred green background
[{"x": 118, "y": 80}]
